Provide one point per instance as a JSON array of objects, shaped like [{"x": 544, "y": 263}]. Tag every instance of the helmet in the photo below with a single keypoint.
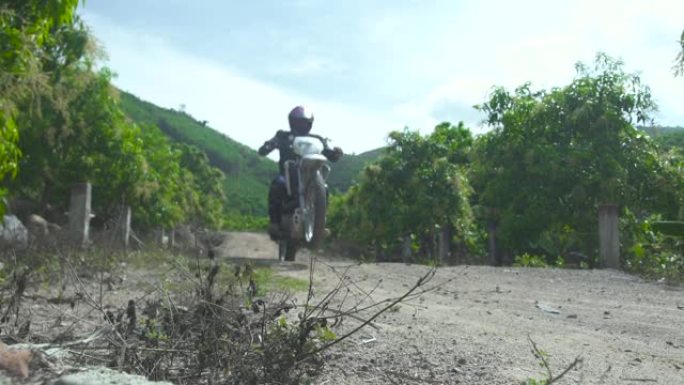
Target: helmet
[{"x": 300, "y": 120}]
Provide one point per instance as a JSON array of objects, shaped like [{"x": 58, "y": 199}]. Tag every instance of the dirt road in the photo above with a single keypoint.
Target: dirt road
[{"x": 474, "y": 329}]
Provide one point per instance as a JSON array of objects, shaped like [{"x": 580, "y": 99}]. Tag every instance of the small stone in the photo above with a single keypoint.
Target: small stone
[
  {"x": 461, "y": 361},
  {"x": 572, "y": 316}
]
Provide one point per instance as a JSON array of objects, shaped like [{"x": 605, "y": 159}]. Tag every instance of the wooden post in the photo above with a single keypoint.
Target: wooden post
[
  {"x": 609, "y": 236},
  {"x": 79, "y": 212}
]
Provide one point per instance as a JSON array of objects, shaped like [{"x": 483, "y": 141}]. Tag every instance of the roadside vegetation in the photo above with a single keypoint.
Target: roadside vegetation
[{"x": 535, "y": 180}]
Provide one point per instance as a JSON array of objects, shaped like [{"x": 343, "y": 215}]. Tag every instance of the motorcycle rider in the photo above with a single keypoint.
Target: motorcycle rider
[{"x": 300, "y": 120}]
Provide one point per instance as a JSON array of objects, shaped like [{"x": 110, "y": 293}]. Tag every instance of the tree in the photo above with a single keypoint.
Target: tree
[
  {"x": 72, "y": 131},
  {"x": 679, "y": 60},
  {"x": 554, "y": 156},
  {"x": 205, "y": 207},
  {"x": 25, "y": 28},
  {"x": 415, "y": 189}
]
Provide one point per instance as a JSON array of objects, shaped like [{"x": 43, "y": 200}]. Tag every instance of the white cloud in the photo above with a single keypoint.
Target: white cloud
[
  {"x": 245, "y": 109},
  {"x": 540, "y": 42},
  {"x": 415, "y": 63}
]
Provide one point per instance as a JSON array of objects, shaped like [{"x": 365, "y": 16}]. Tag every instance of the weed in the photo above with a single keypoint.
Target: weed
[
  {"x": 529, "y": 260},
  {"x": 543, "y": 359}
]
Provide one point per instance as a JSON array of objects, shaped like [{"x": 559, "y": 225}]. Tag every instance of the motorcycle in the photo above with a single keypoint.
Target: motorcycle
[{"x": 304, "y": 209}]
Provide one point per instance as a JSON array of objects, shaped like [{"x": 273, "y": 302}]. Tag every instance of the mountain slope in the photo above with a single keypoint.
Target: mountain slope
[
  {"x": 346, "y": 171},
  {"x": 667, "y": 137},
  {"x": 247, "y": 174}
]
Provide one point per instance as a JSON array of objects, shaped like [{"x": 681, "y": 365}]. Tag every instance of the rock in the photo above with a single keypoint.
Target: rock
[
  {"x": 547, "y": 308},
  {"x": 12, "y": 231},
  {"x": 37, "y": 225},
  {"x": 99, "y": 376},
  {"x": 15, "y": 361}
]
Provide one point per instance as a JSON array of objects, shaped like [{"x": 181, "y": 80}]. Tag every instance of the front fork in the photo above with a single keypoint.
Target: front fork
[{"x": 305, "y": 170}]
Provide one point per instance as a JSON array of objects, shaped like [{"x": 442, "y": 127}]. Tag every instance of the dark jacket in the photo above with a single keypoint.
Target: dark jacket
[{"x": 282, "y": 141}]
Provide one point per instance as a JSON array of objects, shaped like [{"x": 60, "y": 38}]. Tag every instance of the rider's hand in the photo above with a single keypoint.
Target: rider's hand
[{"x": 338, "y": 152}]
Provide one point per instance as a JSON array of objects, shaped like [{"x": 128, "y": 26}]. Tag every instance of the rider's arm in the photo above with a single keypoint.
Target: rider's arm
[
  {"x": 268, "y": 146},
  {"x": 333, "y": 154}
]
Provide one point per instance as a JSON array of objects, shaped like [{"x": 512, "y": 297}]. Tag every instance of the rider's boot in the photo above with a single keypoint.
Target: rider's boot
[{"x": 274, "y": 231}]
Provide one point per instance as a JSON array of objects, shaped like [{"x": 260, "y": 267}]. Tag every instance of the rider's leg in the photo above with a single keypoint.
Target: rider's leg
[{"x": 276, "y": 194}]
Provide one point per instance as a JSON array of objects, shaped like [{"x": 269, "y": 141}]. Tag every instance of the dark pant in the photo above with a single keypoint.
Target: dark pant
[{"x": 277, "y": 193}]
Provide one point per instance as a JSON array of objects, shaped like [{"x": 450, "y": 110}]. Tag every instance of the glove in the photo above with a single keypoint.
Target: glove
[{"x": 337, "y": 153}]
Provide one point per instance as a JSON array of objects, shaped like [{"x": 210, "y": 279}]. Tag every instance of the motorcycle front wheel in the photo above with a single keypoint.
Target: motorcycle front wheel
[{"x": 315, "y": 202}]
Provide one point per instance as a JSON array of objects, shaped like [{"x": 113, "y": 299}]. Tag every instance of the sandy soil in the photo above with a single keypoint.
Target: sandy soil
[{"x": 473, "y": 328}]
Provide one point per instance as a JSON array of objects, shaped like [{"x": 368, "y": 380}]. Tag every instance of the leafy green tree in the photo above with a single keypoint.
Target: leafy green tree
[
  {"x": 177, "y": 186},
  {"x": 415, "y": 189},
  {"x": 205, "y": 207},
  {"x": 554, "y": 156},
  {"x": 25, "y": 28},
  {"x": 74, "y": 130},
  {"x": 164, "y": 189},
  {"x": 679, "y": 60}
]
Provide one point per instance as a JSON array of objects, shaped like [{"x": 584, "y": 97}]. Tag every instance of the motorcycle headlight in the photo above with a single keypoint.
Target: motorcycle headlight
[{"x": 307, "y": 146}]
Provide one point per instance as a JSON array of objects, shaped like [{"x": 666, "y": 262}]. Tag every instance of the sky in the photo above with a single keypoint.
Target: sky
[{"x": 368, "y": 67}]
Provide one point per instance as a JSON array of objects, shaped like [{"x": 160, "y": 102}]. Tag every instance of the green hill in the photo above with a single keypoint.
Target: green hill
[
  {"x": 247, "y": 174},
  {"x": 345, "y": 172},
  {"x": 667, "y": 137}
]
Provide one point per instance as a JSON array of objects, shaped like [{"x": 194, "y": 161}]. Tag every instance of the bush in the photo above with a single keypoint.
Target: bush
[
  {"x": 241, "y": 222},
  {"x": 649, "y": 252},
  {"x": 529, "y": 260}
]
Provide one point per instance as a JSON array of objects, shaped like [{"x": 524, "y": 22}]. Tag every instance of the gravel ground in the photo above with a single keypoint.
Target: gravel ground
[{"x": 475, "y": 326}]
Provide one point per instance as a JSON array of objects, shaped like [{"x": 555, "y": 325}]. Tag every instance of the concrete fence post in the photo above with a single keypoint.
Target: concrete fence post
[
  {"x": 80, "y": 212},
  {"x": 163, "y": 239},
  {"x": 444, "y": 247},
  {"x": 609, "y": 236},
  {"x": 406, "y": 249},
  {"x": 126, "y": 226},
  {"x": 491, "y": 237},
  {"x": 172, "y": 237}
]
